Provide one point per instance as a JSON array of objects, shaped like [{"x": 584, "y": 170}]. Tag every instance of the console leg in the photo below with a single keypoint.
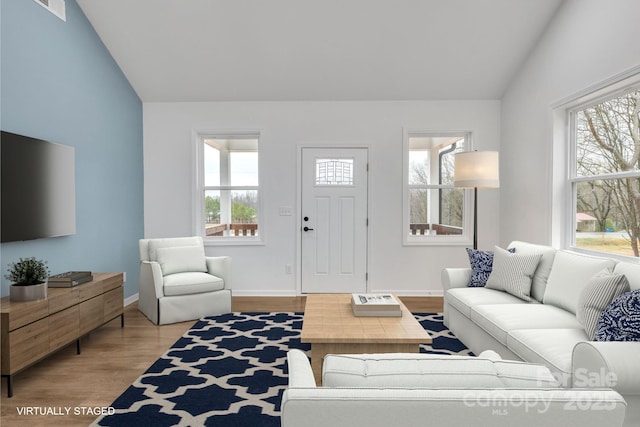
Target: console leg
[
  {"x": 122, "y": 320},
  {"x": 78, "y": 350},
  {"x": 9, "y": 385}
]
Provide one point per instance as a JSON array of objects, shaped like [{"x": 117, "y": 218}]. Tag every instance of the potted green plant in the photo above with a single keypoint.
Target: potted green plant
[{"x": 29, "y": 279}]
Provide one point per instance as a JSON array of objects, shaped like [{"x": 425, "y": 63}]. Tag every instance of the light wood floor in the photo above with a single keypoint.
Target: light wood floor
[{"x": 112, "y": 358}]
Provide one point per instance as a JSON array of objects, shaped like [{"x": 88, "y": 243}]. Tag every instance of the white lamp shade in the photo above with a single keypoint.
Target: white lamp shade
[{"x": 479, "y": 169}]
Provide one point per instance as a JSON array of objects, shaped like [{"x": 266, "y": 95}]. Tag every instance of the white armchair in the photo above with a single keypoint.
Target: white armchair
[{"x": 178, "y": 282}]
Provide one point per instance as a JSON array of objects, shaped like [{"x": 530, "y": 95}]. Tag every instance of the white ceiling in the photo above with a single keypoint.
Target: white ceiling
[{"x": 285, "y": 50}]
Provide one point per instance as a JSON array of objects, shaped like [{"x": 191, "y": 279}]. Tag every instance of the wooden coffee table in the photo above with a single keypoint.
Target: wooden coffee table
[{"x": 331, "y": 328}]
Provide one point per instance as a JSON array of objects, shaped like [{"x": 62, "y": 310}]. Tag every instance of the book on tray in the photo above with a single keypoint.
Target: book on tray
[
  {"x": 375, "y": 305},
  {"x": 69, "y": 279}
]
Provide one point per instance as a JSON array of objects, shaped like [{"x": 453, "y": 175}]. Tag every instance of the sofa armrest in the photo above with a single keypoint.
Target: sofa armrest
[
  {"x": 151, "y": 281},
  {"x": 607, "y": 364},
  {"x": 220, "y": 266},
  {"x": 300, "y": 372},
  {"x": 455, "y": 278}
]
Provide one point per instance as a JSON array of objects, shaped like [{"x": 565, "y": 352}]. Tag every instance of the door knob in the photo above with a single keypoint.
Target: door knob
[{"x": 308, "y": 229}]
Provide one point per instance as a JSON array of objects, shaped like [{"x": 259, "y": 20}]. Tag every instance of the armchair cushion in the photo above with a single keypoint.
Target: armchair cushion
[
  {"x": 181, "y": 259},
  {"x": 191, "y": 283}
]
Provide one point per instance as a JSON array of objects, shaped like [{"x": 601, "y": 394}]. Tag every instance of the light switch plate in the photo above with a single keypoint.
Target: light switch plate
[{"x": 286, "y": 211}]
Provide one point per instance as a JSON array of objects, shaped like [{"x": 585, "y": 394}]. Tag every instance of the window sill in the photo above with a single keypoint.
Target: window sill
[
  {"x": 436, "y": 241},
  {"x": 599, "y": 254},
  {"x": 233, "y": 241}
]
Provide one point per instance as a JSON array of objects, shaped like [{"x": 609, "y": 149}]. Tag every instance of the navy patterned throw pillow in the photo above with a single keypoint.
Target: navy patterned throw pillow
[
  {"x": 620, "y": 321},
  {"x": 481, "y": 266}
]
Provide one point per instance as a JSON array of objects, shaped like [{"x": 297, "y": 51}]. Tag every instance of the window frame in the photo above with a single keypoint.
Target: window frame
[
  {"x": 199, "y": 189},
  {"x": 464, "y": 239},
  {"x": 565, "y": 159}
]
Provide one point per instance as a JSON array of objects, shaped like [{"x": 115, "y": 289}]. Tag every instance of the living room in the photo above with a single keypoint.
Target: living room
[{"x": 135, "y": 147}]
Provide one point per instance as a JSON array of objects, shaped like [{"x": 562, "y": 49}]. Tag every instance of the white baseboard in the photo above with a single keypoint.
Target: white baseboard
[
  {"x": 130, "y": 300},
  {"x": 402, "y": 293},
  {"x": 409, "y": 293},
  {"x": 262, "y": 293}
]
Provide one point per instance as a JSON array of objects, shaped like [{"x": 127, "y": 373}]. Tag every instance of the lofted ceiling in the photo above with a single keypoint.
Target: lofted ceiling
[{"x": 312, "y": 50}]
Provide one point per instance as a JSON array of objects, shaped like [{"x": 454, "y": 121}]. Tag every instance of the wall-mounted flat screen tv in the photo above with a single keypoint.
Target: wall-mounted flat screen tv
[{"x": 38, "y": 188}]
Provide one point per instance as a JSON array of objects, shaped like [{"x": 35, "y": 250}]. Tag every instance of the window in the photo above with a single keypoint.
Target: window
[
  {"x": 228, "y": 207},
  {"x": 336, "y": 172},
  {"x": 434, "y": 211},
  {"x": 604, "y": 175}
]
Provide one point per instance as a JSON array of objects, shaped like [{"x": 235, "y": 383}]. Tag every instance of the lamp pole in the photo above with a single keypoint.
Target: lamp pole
[{"x": 475, "y": 217}]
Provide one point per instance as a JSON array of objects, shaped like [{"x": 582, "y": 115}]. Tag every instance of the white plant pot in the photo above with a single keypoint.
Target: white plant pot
[{"x": 29, "y": 292}]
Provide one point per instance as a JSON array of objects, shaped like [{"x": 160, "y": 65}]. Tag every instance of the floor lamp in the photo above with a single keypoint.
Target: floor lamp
[{"x": 476, "y": 169}]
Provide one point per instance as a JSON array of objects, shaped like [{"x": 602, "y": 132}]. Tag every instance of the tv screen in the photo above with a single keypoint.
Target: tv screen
[{"x": 38, "y": 188}]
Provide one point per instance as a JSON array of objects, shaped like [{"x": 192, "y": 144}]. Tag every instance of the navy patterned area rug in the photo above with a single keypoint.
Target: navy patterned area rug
[{"x": 231, "y": 370}]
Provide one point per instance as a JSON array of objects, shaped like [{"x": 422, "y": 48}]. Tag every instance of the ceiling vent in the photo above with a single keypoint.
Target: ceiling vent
[{"x": 56, "y": 7}]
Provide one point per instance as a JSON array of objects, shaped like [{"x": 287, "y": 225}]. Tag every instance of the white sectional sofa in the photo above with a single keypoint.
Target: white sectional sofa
[
  {"x": 409, "y": 390},
  {"x": 545, "y": 330}
]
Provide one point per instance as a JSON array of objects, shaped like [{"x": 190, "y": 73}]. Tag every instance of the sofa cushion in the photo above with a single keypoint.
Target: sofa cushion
[
  {"x": 631, "y": 270},
  {"x": 481, "y": 263},
  {"x": 181, "y": 259},
  {"x": 463, "y": 299},
  {"x": 570, "y": 274},
  {"x": 191, "y": 283},
  {"x": 500, "y": 319},
  {"x": 541, "y": 276},
  {"x": 405, "y": 370},
  {"x": 512, "y": 272},
  {"x": 596, "y": 296},
  {"x": 620, "y": 321},
  {"x": 551, "y": 347}
]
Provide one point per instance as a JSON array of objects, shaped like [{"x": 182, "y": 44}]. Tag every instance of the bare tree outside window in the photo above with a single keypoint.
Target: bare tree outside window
[{"x": 607, "y": 175}]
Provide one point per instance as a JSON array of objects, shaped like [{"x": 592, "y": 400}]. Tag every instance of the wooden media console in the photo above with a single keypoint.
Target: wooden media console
[{"x": 32, "y": 330}]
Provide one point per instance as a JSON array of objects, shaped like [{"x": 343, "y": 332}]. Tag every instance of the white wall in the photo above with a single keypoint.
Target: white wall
[
  {"x": 588, "y": 42},
  {"x": 260, "y": 270}
]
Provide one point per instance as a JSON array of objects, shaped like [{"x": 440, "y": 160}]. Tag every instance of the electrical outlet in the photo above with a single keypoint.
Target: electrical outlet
[{"x": 288, "y": 269}]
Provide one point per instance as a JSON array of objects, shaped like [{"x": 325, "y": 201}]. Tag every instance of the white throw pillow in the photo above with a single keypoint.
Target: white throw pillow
[
  {"x": 570, "y": 274},
  {"x": 181, "y": 259},
  {"x": 603, "y": 288},
  {"x": 512, "y": 272},
  {"x": 541, "y": 276}
]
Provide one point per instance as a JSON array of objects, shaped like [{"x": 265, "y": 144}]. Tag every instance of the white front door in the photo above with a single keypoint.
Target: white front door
[{"x": 334, "y": 220}]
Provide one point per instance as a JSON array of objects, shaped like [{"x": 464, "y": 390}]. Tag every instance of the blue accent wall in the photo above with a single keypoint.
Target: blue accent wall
[{"x": 59, "y": 83}]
